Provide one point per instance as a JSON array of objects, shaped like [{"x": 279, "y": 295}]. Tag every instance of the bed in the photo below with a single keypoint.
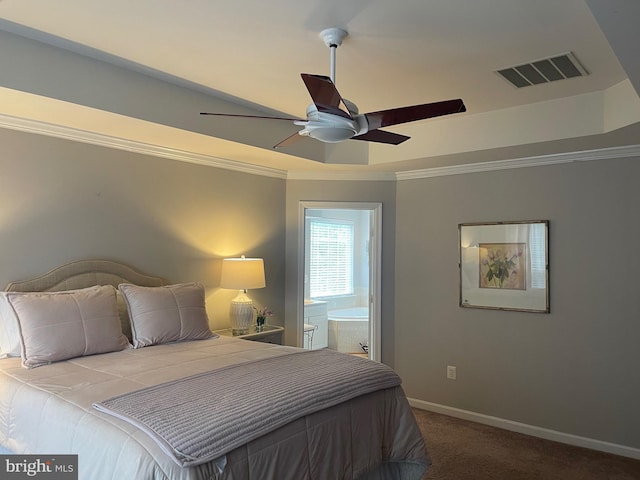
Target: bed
[{"x": 58, "y": 398}]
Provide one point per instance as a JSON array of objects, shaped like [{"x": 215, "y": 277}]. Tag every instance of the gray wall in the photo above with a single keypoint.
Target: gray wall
[
  {"x": 342, "y": 191},
  {"x": 62, "y": 201},
  {"x": 574, "y": 370}
]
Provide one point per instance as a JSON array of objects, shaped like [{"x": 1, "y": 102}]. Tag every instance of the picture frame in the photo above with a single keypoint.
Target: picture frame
[{"x": 504, "y": 265}]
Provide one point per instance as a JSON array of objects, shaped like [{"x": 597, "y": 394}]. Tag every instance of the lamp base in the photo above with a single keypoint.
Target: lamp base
[{"x": 241, "y": 314}]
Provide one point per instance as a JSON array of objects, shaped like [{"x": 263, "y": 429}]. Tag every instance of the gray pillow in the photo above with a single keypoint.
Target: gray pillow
[
  {"x": 57, "y": 326},
  {"x": 171, "y": 313}
]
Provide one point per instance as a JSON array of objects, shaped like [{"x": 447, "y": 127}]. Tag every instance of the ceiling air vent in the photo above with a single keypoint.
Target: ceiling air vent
[{"x": 544, "y": 71}]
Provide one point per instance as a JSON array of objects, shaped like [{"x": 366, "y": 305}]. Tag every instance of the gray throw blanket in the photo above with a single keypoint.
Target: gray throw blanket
[{"x": 200, "y": 418}]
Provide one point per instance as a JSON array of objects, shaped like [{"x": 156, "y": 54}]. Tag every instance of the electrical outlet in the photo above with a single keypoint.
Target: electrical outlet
[{"x": 451, "y": 372}]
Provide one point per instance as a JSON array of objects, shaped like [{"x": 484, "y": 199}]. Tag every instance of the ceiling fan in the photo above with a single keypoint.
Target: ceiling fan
[{"x": 333, "y": 119}]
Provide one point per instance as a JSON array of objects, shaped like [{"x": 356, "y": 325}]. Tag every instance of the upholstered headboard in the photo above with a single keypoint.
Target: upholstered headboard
[{"x": 85, "y": 273}]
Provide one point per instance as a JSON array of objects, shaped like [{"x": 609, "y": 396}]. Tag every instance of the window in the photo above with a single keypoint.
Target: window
[{"x": 331, "y": 251}]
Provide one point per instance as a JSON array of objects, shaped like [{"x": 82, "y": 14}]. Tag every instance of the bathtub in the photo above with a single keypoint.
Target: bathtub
[{"x": 348, "y": 328}]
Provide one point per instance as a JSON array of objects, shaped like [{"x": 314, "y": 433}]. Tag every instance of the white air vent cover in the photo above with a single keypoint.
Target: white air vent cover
[{"x": 544, "y": 71}]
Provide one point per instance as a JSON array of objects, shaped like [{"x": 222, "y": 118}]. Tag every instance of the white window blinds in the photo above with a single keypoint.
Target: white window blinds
[{"x": 331, "y": 251}]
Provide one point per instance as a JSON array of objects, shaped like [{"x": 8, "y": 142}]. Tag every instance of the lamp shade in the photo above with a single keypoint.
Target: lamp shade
[{"x": 242, "y": 273}]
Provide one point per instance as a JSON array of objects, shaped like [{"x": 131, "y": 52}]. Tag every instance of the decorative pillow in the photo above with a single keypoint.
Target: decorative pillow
[
  {"x": 9, "y": 331},
  {"x": 57, "y": 326},
  {"x": 171, "y": 313}
]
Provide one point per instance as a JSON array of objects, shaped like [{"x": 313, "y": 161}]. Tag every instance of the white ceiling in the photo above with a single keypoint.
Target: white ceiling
[{"x": 397, "y": 53}]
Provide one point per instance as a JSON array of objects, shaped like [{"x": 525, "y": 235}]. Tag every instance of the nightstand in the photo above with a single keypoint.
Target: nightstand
[{"x": 269, "y": 334}]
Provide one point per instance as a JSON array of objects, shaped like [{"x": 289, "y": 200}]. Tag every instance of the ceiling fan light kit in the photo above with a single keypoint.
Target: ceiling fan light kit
[{"x": 333, "y": 119}]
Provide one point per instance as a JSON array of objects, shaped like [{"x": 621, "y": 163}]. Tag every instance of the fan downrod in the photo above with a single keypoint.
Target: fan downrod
[{"x": 333, "y": 38}]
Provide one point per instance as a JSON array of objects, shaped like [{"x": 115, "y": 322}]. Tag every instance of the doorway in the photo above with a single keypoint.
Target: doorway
[{"x": 340, "y": 272}]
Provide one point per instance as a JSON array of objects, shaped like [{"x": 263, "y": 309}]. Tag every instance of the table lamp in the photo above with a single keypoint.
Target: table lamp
[{"x": 242, "y": 274}]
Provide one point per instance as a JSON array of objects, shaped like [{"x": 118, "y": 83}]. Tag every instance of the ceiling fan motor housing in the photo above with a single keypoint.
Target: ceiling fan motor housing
[{"x": 330, "y": 128}]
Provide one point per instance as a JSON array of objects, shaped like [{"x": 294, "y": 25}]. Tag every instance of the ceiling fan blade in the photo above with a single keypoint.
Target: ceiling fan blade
[
  {"x": 325, "y": 95},
  {"x": 395, "y": 116},
  {"x": 252, "y": 116},
  {"x": 290, "y": 140},
  {"x": 380, "y": 136}
]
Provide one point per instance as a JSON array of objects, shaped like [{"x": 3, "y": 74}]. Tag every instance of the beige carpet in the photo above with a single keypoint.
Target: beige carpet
[{"x": 462, "y": 450}]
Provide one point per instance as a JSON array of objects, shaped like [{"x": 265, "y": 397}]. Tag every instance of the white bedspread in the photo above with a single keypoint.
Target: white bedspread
[{"x": 48, "y": 410}]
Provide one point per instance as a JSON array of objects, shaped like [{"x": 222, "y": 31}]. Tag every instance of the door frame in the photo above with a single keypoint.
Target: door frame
[{"x": 375, "y": 266}]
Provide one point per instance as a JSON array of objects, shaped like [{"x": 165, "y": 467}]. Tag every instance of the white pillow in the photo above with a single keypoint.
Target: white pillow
[
  {"x": 57, "y": 326},
  {"x": 9, "y": 331},
  {"x": 171, "y": 313}
]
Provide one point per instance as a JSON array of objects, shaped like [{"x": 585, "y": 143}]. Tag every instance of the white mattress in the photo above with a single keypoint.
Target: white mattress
[{"x": 47, "y": 410}]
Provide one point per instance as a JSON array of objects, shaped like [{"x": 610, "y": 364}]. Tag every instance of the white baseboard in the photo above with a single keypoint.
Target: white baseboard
[{"x": 528, "y": 429}]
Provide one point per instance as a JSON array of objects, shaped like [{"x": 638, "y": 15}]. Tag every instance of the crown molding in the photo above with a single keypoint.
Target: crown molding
[
  {"x": 537, "y": 161},
  {"x": 68, "y": 133},
  {"x": 353, "y": 175},
  {"x": 77, "y": 135}
]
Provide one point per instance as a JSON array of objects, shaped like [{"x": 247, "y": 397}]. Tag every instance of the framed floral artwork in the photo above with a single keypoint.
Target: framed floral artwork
[
  {"x": 505, "y": 265},
  {"x": 502, "y": 265}
]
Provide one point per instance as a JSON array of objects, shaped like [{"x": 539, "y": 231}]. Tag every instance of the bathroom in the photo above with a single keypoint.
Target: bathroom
[{"x": 337, "y": 280}]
